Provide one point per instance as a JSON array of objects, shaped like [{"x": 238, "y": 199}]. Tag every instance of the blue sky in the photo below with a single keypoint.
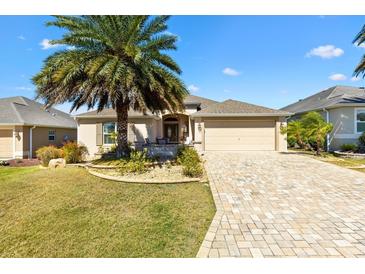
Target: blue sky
[{"x": 265, "y": 60}]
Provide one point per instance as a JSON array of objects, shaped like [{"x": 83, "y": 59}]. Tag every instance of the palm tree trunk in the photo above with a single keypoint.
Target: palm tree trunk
[
  {"x": 318, "y": 152},
  {"x": 122, "y": 130}
]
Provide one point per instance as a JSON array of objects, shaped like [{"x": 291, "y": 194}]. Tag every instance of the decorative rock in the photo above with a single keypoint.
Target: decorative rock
[{"x": 59, "y": 162}]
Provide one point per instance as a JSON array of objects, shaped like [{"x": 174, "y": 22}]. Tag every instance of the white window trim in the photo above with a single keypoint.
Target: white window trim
[
  {"x": 355, "y": 120},
  {"x": 115, "y": 130},
  {"x": 54, "y": 135}
]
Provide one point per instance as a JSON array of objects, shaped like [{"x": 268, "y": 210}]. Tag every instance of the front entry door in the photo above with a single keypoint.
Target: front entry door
[{"x": 171, "y": 131}]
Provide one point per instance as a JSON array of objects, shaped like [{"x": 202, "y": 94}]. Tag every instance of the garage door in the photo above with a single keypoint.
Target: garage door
[
  {"x": 6, "y": 143},
  {"x": 239, "y": 135}
]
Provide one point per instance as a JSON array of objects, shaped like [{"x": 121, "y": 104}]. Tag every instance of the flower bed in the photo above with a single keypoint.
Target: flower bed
[
  {"x": 155, "y": 175},
  {"x": 349, "y": 154}
]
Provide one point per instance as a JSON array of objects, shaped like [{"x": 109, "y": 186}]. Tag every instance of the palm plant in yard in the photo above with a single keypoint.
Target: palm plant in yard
[
  {"x": 316, "y": 129},
  {"x": 113, "y": 61},
  {"x": 295, "y": 131},
  {"x": 360, "y": 40}
]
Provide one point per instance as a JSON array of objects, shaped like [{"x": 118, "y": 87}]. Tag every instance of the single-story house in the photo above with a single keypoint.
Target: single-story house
[
  {"x": 208, "y": 124},
  {"x": 26, "y": 126},
  {"x": 343, "y": 106}
]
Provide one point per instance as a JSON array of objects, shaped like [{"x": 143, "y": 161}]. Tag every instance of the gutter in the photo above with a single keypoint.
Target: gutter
[
  {"x": 328, "y": 135},
  {"x": 115, "y": 117},
  {"x": 36, "y": 125},
  {"x": 31, "y": 142},
  {"x": 240, "y": 115}
]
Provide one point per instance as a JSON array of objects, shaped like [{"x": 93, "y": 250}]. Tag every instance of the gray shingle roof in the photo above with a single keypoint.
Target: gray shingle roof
[
  {"x": 331, "y": 97},
  {"x": 109, "y": 112},
  {"x": 237, "y": 108},
  {"x": 23, "y": 111},
  {"x": 203, "y": 102}
]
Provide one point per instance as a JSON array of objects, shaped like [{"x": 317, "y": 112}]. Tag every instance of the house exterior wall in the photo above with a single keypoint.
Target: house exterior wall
[
  {"x": 40, "y": 137},
  {"x": 343, "y": 121},
  {"x": 20, "y": 145},
  {"x": 344, "y": 131},
  {"x": 138, "y": 130}
]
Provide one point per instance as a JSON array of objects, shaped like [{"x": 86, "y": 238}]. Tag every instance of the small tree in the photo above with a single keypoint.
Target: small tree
[
  {"x": 315, "y": 129},
  {"x": 295, "y": 131}
]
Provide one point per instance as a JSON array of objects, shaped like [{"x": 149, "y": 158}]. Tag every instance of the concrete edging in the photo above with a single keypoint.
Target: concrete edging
[
  {"x": 113, "y": 178},
  {"x": 212, "y": 230}
]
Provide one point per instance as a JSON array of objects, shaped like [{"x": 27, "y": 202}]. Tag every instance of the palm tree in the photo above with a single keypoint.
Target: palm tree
[
  {"x": 360, "y": 40},
  {"x": 113, "y": 61}
]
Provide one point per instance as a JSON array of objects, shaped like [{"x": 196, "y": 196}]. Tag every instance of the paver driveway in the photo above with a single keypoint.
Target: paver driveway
[{"x": 272, "y": 204}]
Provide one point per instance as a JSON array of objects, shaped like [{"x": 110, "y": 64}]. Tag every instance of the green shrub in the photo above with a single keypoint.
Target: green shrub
[
  {"x": 113, "y": 149},
  {"x": 349, "y": 147},
  {"x": 189, "y": 159},
  {"x": 135, "y": 163},
  {"x": 73, "y": 152},
  {"x": 47, "y": 153},
  {"x": 362, "y": 140},
  {"x": 4, "y": 163}
]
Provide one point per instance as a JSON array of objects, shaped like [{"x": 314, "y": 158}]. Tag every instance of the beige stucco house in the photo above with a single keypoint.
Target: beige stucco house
[
  {"x": 26, "y": 126},
  {"x": 207, "y": 124},
  {"x": 343, "y": 106}
]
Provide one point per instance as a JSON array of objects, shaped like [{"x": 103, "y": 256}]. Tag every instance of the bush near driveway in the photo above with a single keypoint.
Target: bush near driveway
[
  {"x": 349, "y": 147},
  {"x": 189, "y": 158},
  {"x": 308, "y": 132},
  {"x": 69, "y": 213}
]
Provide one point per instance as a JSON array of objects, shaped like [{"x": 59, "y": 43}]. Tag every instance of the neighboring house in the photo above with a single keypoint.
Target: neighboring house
[
  {"x": 26, "y": 126},
  {"x": 342, "y": 106},
  {"x": 209, "y": 125}
]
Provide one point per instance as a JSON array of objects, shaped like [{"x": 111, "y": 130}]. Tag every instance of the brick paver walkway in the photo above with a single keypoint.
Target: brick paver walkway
[{"x": 283, "y": 205}]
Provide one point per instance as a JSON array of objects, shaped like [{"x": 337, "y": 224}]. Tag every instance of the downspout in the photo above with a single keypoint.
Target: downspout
[
  {"x": 31, "y": 142},
  {"x": 328, "y": 135}
]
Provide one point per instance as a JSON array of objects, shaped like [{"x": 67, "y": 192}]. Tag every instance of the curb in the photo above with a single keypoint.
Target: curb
[{"x": 113, "y": 178}]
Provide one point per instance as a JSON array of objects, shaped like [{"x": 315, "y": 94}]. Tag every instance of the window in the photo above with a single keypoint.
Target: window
[
  {"x": 360, "y": 120},
  {"x": 51, "y": 135},
  {"x": 108, "y": 131}
]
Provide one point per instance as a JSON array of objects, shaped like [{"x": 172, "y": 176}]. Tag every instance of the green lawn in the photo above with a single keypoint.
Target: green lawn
[
  {"x": 333, "y": 159},
  {"x": 69, "y": 213}
]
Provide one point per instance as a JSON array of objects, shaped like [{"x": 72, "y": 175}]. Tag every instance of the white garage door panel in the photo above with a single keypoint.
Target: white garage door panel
[
  {"x": 240, "y": 135},
  {"x": 6, "y": 143}
]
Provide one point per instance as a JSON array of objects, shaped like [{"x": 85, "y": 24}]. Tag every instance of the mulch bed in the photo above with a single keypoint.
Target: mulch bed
[{"x": 23, "y": 162}]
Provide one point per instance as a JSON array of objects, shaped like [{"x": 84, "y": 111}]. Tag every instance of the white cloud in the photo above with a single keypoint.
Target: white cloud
[
  {"x": 193, "y": 88},
  {"x": 337, "y": 77},
  {"x": 23, "y": 88},
  {"x": 230, "y": 72},
  {"x": 355, "y": 79},
  {"x": 326, "y": 52},
  {"x": 71, "y": 48},
  {"x": 283, "y": 91},
  {"x": 227, "y": 91},
  {"x": 20, "y": 37},
  {"x": 45, "y": 43}
]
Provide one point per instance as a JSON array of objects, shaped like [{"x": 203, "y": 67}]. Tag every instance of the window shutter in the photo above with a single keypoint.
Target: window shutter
[{"x": 99, "y": 134}]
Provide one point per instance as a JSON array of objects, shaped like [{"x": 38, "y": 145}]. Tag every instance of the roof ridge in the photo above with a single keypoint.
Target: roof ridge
[
  {"x": 311, "y": 96},
  {"x": 16, "y": 112}
]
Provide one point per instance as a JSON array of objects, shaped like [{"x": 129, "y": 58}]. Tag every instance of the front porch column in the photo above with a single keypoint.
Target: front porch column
[{"x": 190, "y": 130}]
